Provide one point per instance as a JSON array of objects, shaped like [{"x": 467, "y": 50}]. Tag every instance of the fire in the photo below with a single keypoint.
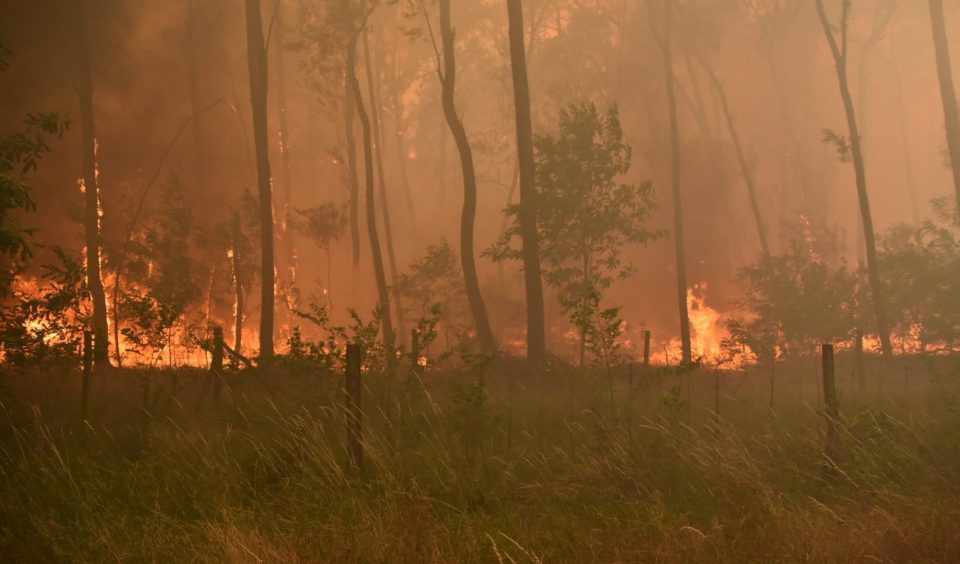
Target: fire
[
  {"x": 707, "y": 335},
  {"x": 706, "y": 332}
]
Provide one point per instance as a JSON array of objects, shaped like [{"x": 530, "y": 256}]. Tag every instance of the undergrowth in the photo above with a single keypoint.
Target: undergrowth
[{"x": 508, "y": 467}]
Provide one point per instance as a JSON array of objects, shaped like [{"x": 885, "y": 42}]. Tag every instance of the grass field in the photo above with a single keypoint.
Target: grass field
[{"x": 560, "y": 465}]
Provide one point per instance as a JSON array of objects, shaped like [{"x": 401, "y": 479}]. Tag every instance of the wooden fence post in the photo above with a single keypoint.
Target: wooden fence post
[
  {"x": 630, "y": 405},
  {"x": 646, "y": 349},
  {"x": 414, "y": 350},
  {"x": 832, "y": 408},
  {"x": 87, "y": 375},
  {"x": 216, "y": 363},
  {"x": 354, "y": 413}
]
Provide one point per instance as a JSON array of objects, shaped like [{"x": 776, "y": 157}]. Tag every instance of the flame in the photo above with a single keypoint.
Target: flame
[
  {"x": 707, "y": 335},
  {"x": 706, "y": 332}
]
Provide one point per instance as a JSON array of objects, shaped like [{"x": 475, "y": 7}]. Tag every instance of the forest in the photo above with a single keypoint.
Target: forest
[{"x": 479, "y": 280}]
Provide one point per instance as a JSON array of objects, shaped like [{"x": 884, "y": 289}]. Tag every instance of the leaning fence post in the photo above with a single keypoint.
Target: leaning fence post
[
  {"x": 216, "y": 363},
  {"x": 354, "y": 414},
  {"x": 87, "y": 374},
  {"x": 832, "y": 409}
]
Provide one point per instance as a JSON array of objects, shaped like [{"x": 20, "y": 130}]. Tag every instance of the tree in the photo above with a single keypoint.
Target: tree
[
  {"x": 948, "y": 95},
  {"x": 325, "y": 30},
  {"x": 19, "y": 155},
  {"x": 839, "y": 51},
  {"x": 921, "y": 269},
  {"x": 381, "y": 176},
  {"x": 286, "y": 233},
  {"x": 436, "y": 280},
  {"x": 794, "y": 301},
  {"x": 257, "y": 65},
  {"x": 745, "y": 169},
  {"x": 91, "y": 190},
  {"x": 193, "y": 26},
  {"x": 584, "y": 217},
  {"x": 527, "y": 213},
  {"x": 678, "y": 236},
  {"x": 323, "y": 224},
  {"x": 352, "y": 181},
  {"x": 468, "y": 216},
  {"x": 359, "y": 21},
  {"x": 164, "y": 265}
]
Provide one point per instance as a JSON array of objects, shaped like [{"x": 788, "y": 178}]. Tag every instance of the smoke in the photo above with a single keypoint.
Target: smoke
[{"x": 770, "y": 56}]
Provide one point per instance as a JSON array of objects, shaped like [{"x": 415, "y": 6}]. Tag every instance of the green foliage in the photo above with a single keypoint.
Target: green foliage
[
  {"x": 839, "y": 142},
  {"x": 921, "y": 272},
  {"x": 163, "y": 273},
  {"x": 331, "y": 352},
  {"x": 323, "y": 224},
  {"x": 48, "y": 315},
  {"x": 434, "y": 287},
  {"x": 585, "y": 216},
  {"x": 794, "y": 301},
  {"x": 19, "y": 156},
  {"x": 265, "y": 475}
]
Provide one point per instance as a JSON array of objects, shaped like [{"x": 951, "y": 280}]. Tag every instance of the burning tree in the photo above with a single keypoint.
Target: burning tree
[
  {"x": 164, "y": 272},
  {"x": 795, "y": 300},
  {"x": 257, "y": 64},
  {"x": 585, "y": 217},
  {"x": 921, "y": 268}
]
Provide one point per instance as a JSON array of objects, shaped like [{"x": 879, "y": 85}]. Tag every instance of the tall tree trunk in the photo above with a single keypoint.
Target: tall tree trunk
[
  {"x": 382, "y": 290},
  {"x": 947, "y": 93},
  {"x": 536, "y": 333},
  {"x": 288, "y": 259},
  {"x": 469, "y": 214},
  {"x": 905, "y": 151},
  {"x": 396, "y": 107},
  {"x": 237, "y": 284},
  {"x": 382, "y": 179},
  {"x": 257, "y": 64},
  {"x": 91, "y": 194},
  {"x": 678, "y": 237},
  {"x": 863, "y": 88},
  {"x": 741, "y": 157},
  {"x": 839, "y": 52},
  {"x": 350, "y": 111},
  {"x": 192, "y": 49}
]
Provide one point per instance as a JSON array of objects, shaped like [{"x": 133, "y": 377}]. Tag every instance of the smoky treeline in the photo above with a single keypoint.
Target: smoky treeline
[{"x": 742, "y": 179}]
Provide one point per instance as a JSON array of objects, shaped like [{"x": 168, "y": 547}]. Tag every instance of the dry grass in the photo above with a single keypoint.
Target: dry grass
[{"x": 536, "y": 468}]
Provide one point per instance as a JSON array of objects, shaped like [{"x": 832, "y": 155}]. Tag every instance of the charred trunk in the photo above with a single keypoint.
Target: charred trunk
[
  {"x": 469, "y": 214},
  {"x": 948, "y": 94},
  {"x": 839, "y": 52},
  {"x": 91, "y": 194},
  {"x": 287, "y": 234},
  {"x": 678, "y": 236},
  {"x": 354, "y": 183},
  {"x": 377, "y": 128},
  {"x": 237, "y": 284},
  {"x": 257, "y": 64},
  {"x": 379, "y": 272},
  {"x": 745, "y": 170},
  {"x": 533, "y": 285}
]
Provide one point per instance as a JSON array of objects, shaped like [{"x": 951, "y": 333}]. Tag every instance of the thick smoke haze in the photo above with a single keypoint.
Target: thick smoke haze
[{"x": 770, "y": 56}]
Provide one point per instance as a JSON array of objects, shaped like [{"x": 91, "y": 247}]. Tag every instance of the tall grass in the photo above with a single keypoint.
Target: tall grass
[{"x": 523, "y": 468}]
